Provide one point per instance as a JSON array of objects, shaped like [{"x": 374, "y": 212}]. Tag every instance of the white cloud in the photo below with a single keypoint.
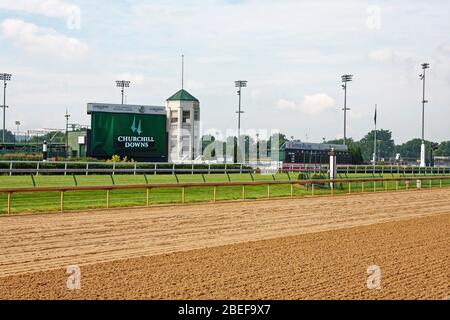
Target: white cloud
[
  {"x": 36, "y": 40},
  {"x": 311, "y": 104},
  {"x": 50, "y": 8}
]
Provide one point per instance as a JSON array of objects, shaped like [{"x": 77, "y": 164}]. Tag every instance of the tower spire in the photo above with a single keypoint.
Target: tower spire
[{"x": 182, "y": 71}]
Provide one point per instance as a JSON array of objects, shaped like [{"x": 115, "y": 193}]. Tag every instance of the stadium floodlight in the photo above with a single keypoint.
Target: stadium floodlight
[
  {"x": 240, "y": 84},
  {"x": 5, "y": 77},
  {"x": 424, "y": 101},
  {"x": 123, "y": 84},
  {"x": 345, "y": 78}
]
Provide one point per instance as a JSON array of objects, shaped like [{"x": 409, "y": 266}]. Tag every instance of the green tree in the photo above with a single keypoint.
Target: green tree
[
  {"x": 385, "y": 145},
  {"x": 9, "y": 136},
  {"x": 411, "y": 149},
  {"x": 443, "y": 149}
]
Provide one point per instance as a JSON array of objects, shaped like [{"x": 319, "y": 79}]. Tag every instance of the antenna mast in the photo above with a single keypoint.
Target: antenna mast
[{"x": 182, "y": 71}]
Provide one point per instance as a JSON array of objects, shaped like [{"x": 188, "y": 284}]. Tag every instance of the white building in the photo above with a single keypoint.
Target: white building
[{"x": 183, "y": 123}]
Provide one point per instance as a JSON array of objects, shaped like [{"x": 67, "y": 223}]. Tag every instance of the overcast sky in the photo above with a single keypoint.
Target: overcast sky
[{"x": 66, "y": 53}]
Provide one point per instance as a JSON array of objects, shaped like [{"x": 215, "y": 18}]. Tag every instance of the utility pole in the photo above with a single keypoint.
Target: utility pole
[
  {"x": 240, "y": 84},
  {"x": 5, "y": 77},
  {"x": 345, "y": 78},
  {"x": 123, "y": 84},
  {"x": 67, "y": 116},
  {"x": 422, "y": 148}
]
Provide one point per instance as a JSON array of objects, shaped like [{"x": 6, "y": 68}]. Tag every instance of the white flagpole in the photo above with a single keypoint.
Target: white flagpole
[{"x": 375, "y": 139}]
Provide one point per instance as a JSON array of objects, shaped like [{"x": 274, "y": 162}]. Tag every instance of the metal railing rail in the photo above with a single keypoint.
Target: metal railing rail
[
  {"x": 69, "y": 167},
  {"x": 215, "y": 185}
]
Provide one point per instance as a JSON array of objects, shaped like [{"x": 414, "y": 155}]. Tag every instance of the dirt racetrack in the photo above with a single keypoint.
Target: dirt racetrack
[{"x": 293, "y": 248}]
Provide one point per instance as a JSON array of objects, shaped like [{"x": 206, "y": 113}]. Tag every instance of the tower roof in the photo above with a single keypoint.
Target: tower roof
[{"x": 182, "y": 95}]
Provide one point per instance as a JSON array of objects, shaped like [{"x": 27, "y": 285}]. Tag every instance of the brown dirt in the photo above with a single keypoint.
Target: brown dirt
[{"x": 147, "y": 253}]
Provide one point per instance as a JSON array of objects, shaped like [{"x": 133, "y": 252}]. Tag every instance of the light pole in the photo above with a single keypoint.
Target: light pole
[
  {"x": 422, "y": 147},
  {"x": 345, "y": 78},
  {"x": 67, "y": 116},
  {"x": 123, "y": 84},
  {"x": 5, "y": 77},
  {"x": 240, "y": 84}
]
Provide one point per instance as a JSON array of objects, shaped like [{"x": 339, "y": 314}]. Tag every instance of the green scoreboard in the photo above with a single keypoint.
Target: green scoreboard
[{"x": 137, "y": 132}]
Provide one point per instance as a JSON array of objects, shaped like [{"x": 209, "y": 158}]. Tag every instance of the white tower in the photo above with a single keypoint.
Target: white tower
[{"x": 183, "y": 116}]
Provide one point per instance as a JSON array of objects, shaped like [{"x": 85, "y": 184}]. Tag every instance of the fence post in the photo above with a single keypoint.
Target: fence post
[
  {"x": 87, "y": 168},
  {"x": 114, "y": 168},
  {"x": 107, "y": 199},
  {"x": 10, "y": 168},
  {"x": 292, "y": 190},
  {"x": 62, "y": 201},
  {"x": 440, "y": 183},
  {"x": 385, "y": 185},
  {"x": 243, "y": 192},
  {"x": 135, "y": 167},
  {"x": 349, "y": 187},
  {"x": 396, "y": 185},
  {"x": 192, "y": 169},
  {"x": 209, "y": 168},
  {"x": 312, "y": 189},
  {"x": 9, "y": 203},
  {"x": 268, "y": 191},
  {"x": 431, "y": 184},
  {"x": 240, "y": 169},
  {"x": 37, "y": 169},
  {"x": 154, "y": 173},
  {"x": 65, "y": 168},
  {"x": 362, "y": 186},
  {"x": 183, "y": 195},
  {"x": 215, "y": 194},
  {"x": 148, "y": 197}
]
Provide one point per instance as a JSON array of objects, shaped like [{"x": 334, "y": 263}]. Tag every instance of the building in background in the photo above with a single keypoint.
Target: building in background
[{"x": 183, "y": 123}]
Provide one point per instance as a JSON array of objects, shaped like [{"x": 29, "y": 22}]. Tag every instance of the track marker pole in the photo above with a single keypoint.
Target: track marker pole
[
  {"x": 62, "y": 201},
  {"x": 268, "y": 191},
  {"x": 215, "y": 194},
  {"x": 148, "y": 197},
  {"x": 312, "y": 189},
  {"x": 107, "y": 199},
  {"x": 9, "y": 203},
  {"x": 362, "y": 186},
  {"x": 183, "y": 195},
  {"x": 349, "y": 187},
  {"x": 292, "y": 190},
  {"x": 243, "y": 192}
]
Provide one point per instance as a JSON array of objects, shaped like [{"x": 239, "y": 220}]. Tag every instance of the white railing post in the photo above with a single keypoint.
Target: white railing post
[
  {"x": 10, "y": 168},
  {"x": 87, "y": 168},
  {"x": 37, "y": 168}
]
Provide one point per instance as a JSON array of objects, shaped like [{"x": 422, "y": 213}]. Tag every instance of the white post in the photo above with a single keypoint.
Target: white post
[
  {"x": 333, "y": 167},
  {"x": 422, "y": 155}
]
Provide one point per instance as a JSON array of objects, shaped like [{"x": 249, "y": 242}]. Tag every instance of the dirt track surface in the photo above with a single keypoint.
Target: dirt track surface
[
  {"x": 412, "y": 255},
  {"x": 149, "y": 253},
  {"x": 44, "y": 242}
]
